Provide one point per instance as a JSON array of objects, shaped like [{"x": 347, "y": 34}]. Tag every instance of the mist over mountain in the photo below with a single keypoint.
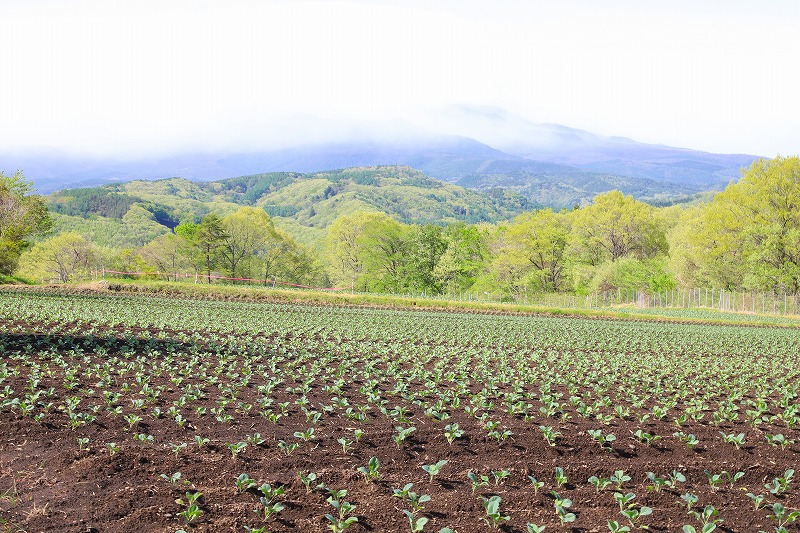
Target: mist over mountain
[{"x": 481, "y": 148}]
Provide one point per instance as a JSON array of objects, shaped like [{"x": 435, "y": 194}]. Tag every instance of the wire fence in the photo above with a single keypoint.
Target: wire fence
[
  {"x": 691, "y": 298},
  {"x": 766, "y": 303}
]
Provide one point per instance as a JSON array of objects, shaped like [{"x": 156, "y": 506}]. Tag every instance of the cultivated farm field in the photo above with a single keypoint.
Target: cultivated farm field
[{"x": 126, "y": 413}]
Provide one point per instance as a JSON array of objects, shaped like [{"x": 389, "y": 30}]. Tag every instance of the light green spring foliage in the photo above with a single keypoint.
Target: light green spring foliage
[
  {"x": 22, "y": 215},
  {"x": 62, "y": 258},
  {"x": 747, "y": 237}
]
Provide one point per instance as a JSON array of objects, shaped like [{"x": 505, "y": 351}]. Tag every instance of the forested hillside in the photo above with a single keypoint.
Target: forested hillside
[{"x": 304, "y": 204}]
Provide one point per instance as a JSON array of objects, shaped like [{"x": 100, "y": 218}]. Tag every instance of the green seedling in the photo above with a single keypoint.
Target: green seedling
[
  {"x": 287, "y": 448},
  {"x": 452, "y": 432},
  {"x": 417, "y": 523},
  {"x": 255, "y": 439},
  {"x": 306, "y": 435},
  {"x": 782, "y": 516},
  {"x": 560, "y": 477},
  {"x": 177, "y": 448},
  {"x": 307, "y": 480},
  {"x": 550, "y": 435},
  {"x": 192, "y": 509},
  {"x": 341, "y": 521},
  {"x": 402, "y": 435},
  {"x": 493, "y": 516},
  {"x": 690, "y": 499},
  {"x": 779, "y": 440},
  {"x": 562, "y": 506},
  {"x": 536, "y": 484},
  {"x": 706, "y": 528},
  {"x": 174, "y": 478},
  {"x": 633, "y": 515},
  {"x": 645, "y": 438},
  {"x": 370, "y": 472},
  {"x": 236, "y": 448},
  {"x": 599, "y": 483},
  {"x": 603, "y": 440},
  {"x": 269, "y": 503},
  {"x": 733, "y": 438},
  {"x": 244, "y": 482},
  {"x": 477, "y": 481},
  {"x": 690, "y": 440},
  {"x": 757, "y": 499},
  {"x": 500, "y": 476},
  {"x": 780, "y": 484},
  {"x": 624, "y": 500},
  {"x": 434, "y": 469},
  {"x": 132, "y": 419},
  {"x": 411, "y": 497},
  {"x": 657, "y": 483},
  {"x": 707, "y": 515}
]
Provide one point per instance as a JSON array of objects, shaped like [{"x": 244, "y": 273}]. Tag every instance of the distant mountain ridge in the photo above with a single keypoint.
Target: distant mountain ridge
[
  {"x": 303, "y": 204},
  {"x": 549, "y": 164}
]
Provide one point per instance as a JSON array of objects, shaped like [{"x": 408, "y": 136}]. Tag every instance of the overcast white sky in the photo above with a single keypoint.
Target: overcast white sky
[{"x": 108, "y": 77}]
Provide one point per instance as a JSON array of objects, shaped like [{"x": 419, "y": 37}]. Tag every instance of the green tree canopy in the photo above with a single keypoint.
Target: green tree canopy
[
  {"x": 65, "y": 257},
  {"x": 22, "y": 215},
  {"x": 616, "y": 226},
  {"x": 749, "y": 235}
]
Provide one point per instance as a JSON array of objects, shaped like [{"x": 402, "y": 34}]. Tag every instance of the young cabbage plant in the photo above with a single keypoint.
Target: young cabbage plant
[
  {"x": 402, "y": 435},
  {"x": 778, "y": 440},
  {"x": 493, "y": 516},
  {"x": 236, "y": 447},
  {"x": 550, "y": 435},
  {"x": 192, "y": 509},
  {"x": 415, "y": 500},
  {"x": 244, "y": 482},
  {"x": 417, "y": 523},
  {"x": 562, "y": 507},
  {"x": 706, "y": 528},
  {"x": 782, "y": 516},
  {"x": 370, "y": 472},
  {"x": 619, "y": 477},
  {"x": 342, "y": 520},
  {"x": 690, "y": 500},
  {"x": 599, "y": 483},
  {"x": 616, "y": 527},
  {"x": 500, "y": 476},
  {"x": 434, "y": 469},
  {"x": 780, "y": 484},
  {"x": 603, "y": 440},
  {"x": 452, "y": 432},
  {"x": 757, "y": 499},
  {"x": 707, "y": 515},
  {"x": 732, "y": 438}
]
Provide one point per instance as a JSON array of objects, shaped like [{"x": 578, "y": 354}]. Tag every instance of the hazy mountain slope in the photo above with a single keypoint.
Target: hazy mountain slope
[
  {"x": 475, "y": 139},
  {"x": 549, "y": 184},
  {"x": 588, "y": 151}
]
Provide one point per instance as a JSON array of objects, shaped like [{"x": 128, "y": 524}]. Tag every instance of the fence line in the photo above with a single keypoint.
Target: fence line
[
  {"x": 770, "y": 303},
  {"x": 751, "y": 302}
]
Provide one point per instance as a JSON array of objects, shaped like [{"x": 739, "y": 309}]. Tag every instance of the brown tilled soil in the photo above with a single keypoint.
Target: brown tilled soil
[{"x": 47, "y": 484}]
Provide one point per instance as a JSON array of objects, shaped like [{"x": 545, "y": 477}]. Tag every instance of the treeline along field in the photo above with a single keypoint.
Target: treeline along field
[
  {"x": 392, "y": 230},
  {"x": 133, "y": 412}
]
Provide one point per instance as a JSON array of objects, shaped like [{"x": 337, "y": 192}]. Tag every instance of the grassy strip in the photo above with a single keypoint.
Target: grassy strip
[{"x": 277, "y": 295}]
